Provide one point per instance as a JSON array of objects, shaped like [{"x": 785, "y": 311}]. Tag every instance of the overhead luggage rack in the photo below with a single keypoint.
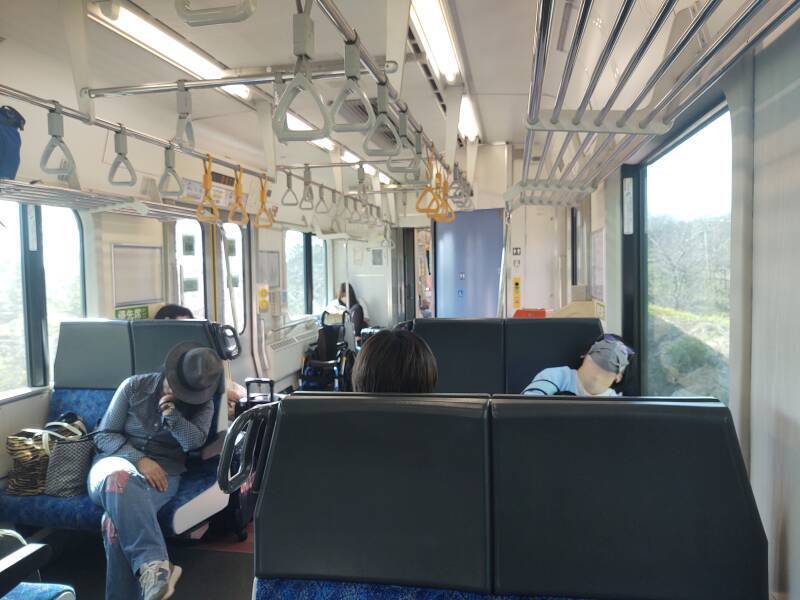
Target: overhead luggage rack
[
  {"x": 48, "y": 195},
  {"x": 606, "y": 133}
]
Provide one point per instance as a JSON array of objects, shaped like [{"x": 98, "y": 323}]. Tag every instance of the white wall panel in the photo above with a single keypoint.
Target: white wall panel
[{"x": 775, "y": 442}]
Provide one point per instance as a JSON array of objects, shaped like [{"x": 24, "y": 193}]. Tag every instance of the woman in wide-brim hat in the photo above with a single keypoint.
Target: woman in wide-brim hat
[{"x": 152, "y": 422}]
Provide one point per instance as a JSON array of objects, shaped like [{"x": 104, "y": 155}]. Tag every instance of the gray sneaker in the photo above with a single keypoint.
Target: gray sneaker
[{"x": 158, "y": 578}]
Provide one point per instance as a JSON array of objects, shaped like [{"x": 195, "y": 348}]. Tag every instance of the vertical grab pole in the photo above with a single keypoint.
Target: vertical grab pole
[{"x": 502, "y": 288}]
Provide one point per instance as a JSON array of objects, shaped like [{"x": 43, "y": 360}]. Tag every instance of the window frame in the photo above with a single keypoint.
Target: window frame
[
  {"x": 34, "y": 292},
  {"x": 201, "y": 252},
  {"x": 244, "y": 232},
  {"x": 634, "y": 245},
  {"x": 308, "y": 268}
]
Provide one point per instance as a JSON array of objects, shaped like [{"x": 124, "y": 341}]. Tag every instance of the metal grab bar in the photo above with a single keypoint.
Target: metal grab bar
[
  {"x": 214, "y": 15},
  {"x": 238, "y": 205},
  {"x": 301, "y": 83},
  {"x": 184, "y": 130},
  {"x": 55, "y": 128},
  {"x": 322, "y": 207},
  {"x": 307, "y": 201},
  {"x": 257, "y": 425},
  {"x": 121, "y": 160},
  {"x": 289, "y": 193},
  {"x": 382, "y": 121},
  {"x": 263, "y": 211},
  {"x": 170, "y": 173},
  {"x": 406, "y": 165},
  {"x": 352, "y": 69}
]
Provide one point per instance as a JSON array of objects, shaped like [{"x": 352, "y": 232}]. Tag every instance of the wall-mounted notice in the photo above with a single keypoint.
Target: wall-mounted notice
[
  {"x": 627, "y": 206},
  {"x": 137, "y": 274}
]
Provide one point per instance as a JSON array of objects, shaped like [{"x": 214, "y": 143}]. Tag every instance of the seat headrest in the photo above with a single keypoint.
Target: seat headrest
[
  {"x": 532, "y": 345},
  {"x": 626, "y": 498},
  {"x": 469, "y": 353},
  {"x": 153, "y": 339},
  {"x": 93, "y": 354},
  {"x": 381, "y": 488}
]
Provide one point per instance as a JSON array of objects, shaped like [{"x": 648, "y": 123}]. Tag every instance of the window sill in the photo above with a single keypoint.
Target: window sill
[{"x": 10, "y": 396}]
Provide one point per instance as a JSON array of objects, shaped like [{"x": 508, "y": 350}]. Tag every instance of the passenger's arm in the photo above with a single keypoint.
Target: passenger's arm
[
  {"x": 190, "y": 433},
  {"x": 545, "y": 383},
  {"x": 113, "y": 439}
]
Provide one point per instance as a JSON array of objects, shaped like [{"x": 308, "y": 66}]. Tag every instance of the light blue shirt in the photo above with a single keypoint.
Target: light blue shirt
[
  {"x": 557, "y": 381},
  {"x": 552, "y": 382}
]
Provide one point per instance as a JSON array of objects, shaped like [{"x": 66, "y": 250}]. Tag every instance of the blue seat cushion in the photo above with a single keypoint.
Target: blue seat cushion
[
  {"x": 297, "y": 589},
  {"x": 38, "y": 591},
  {"x": 89, "y": 404},
  {"x": 79, "y": 512}
]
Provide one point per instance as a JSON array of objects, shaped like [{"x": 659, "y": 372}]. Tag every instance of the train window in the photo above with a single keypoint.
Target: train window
[
  {"x": 319, "y": 274},
  {"x": 688, "y": 264},
  {"x": 62, "y": 253},
  {"x": 295, "y": 249},
  {"x": 189, "y": 260},
  {"x": 234, "y": 251},
  {"x": 13, "y": 357}
]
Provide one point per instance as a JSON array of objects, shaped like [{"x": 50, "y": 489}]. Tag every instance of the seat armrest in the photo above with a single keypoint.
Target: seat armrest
[{"x": 20, "y": 564}]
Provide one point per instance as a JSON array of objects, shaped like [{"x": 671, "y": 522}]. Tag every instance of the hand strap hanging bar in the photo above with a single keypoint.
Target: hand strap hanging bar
[
  {"x": 289, "y": 197},
  {"x": 382, "y": 122},
  {"x": 55, "y": 128},
  {"x": 121, "y": 148},
  {"x": 170, "y": 174},
  {"x": 211, "y": 213},
  {"x": 214, "y": 15},
  {"x": 184, "y": 130},
  {"x": 352, "y": 70},
  {"x": 238, "y": 205},
  {"x": 404, "y": 165},
  {"x": 303, "y": 30},
  {"x": 263, "y": 211},
  {"x": 307, "y": 201},
  {"x": 322, "y": 207}
]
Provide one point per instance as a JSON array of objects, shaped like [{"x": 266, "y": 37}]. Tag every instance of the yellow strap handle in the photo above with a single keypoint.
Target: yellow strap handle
[
  {"x": 207, "y": 203},
  {"x": 446, "y": 213},
  {"x": 263, "y": 211},
  {"x": 238, "y": 206}
]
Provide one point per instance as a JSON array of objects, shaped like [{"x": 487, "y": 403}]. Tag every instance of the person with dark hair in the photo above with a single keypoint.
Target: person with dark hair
[
  {"x": 174, "y": 311},
  {"x": 151, "y": 424},
  {"x": 602, "y": 367},
  {"x": 395, "y": 361},
  {"x": 349, "y": 300}
]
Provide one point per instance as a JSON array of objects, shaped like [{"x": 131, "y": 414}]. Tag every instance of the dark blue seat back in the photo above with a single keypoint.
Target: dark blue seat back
[
  {"x": 469, "y": 354},
  {"x": 628, "y": 498},
  {"x": 385, "y": 489},
  {"x": 153, "y": 339},
  {"x": 532, "y": 345},
  {"x": 93, "y": 357}
]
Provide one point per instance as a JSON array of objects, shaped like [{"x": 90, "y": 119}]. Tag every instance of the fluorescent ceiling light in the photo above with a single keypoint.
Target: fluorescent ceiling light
[
  {"x": 384, "y": 179},
  {"x": 467, "y": 120},
  {"x": 349, "y": 157},
  {"x": 430, "y": 24},
  {"x": 168, "y": 47}
]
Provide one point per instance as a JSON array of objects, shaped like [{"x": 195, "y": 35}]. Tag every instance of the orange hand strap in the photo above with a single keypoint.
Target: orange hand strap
[
  {"x": 238, "y": 206},
  {"x": 263, "y": 211},
  {"x": 207, "y": 203}
]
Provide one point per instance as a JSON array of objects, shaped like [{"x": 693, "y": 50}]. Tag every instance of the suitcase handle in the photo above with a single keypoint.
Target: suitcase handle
[
  {"x": 253, "y": 423},
  {"x": 253, "y": 381}
]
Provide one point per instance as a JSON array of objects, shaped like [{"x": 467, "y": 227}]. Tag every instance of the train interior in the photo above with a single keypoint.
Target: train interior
[{"x": 512, "y": 182}]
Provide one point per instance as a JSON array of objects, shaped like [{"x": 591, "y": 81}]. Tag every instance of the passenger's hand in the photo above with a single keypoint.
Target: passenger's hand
[
  {"x": 166, "y": 406},
  {"x": 153, "y": 473}
]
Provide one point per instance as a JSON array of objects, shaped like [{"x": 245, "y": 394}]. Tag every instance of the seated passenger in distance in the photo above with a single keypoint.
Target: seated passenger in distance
[
  {"x": 174, "y": 311},
  {"x": 233, "y": 391},
  {"x": 602, "y": 366},
  {"x": 395, "y": 361},
  {"x": 152, "y": 422}
]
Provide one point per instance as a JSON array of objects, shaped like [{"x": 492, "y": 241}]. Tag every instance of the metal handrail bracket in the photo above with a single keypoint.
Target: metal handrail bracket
[{"x": 214, "y": 15}]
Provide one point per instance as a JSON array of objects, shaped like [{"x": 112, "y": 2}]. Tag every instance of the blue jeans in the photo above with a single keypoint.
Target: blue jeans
[{"x": 131, "y": 533}]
